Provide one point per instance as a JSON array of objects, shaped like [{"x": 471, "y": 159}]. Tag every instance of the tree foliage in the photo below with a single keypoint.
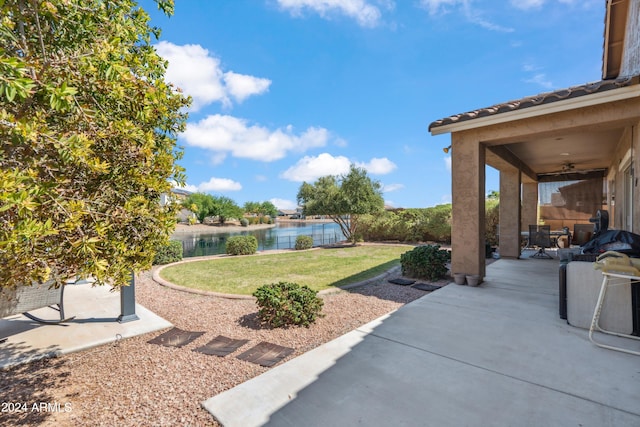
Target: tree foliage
[
  {"x": 206, "y": 205},
  {"x": 261, "y": 208},
  {"x": 431, "y": 224},
  {"x": 268, "y": 209},
  {"x": 200, "y": 204},
  {"x": 225, "y": 208},
  {"x": 88, "y": 128},
  {"x": 343, "y": 198},
  {"x": 492, "y": 219}
]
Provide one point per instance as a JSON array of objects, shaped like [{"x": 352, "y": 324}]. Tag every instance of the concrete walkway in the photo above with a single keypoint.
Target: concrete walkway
[
  {"x": 496, "y": 355},
  {"x": 96, "y": 310}
]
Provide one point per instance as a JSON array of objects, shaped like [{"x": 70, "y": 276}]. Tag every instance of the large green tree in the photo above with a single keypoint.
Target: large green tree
[
  {"x": 343, "y": 198},
  {"x": 201, "y": 204},
  {"x": 267, "y": 208},
  {"x": 225, "y": 208},
  {"x": 88, "y": 126}
]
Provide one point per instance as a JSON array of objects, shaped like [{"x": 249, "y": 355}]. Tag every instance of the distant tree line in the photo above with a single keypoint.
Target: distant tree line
[
  {"x": 224, "y": 208},
  {"x": 355, "y": 203}
]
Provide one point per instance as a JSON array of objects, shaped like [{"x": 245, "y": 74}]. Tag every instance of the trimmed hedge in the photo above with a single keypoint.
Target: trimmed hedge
[
  {"x": 281, "y": 304},
  {"x": 425, "y": 262},
  {"x": 304, "y": 242},
  {"x": 172, "y": 252},
  {"x": 242, "y": 245}
]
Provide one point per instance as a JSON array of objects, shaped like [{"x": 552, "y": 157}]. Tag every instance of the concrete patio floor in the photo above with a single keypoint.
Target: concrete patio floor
[
  {"x": 495, "y": 355},
  {"x": 96, "y": 310}
]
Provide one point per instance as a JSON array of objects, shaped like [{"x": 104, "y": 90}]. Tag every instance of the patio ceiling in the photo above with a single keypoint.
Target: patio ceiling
[{"x": 559, "y": 154}]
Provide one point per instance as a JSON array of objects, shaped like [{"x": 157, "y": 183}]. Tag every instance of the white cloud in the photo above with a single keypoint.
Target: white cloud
[
  {"x": 199, "y": 74},
  {"x": 447, "y": 163},
  {"x": 388, "y": 188},
  {"x": 241, "y": 86},
  {"x": 527, "y": 4},
  {"x": 219, "y": 184},
  {"x": 378, "y": 166},
  {"x": 228, "y": 134},
  {"x": 540, "y": 79},
  {"x": 366, "y": 14},
  {"x": 311, "y": 168},
  {"x": 188, "y": 187},
  {"x": 339, "y": 142},
  {"x": 284, "y": 203},
  {"x": 439, "y": 6},
  {"x": 537, "y": 76},
  {"x": 537, "y": 4},
  {"x": 218, "y": 158},
  {"x": 436, "y": 7}
]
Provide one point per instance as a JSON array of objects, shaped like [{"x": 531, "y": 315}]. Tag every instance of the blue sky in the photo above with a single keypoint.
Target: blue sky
[{"x": 285, "y": 91}]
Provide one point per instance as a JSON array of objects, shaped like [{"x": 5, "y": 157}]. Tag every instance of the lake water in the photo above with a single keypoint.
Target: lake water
[{"x": 282, "y": 236}]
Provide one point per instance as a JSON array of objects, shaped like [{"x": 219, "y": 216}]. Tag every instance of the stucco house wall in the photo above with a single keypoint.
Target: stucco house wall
[{"x": 627, "y": 154}]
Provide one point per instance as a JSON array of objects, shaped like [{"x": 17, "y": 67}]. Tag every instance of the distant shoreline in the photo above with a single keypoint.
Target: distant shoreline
[
  {"x": 234, "y": 226},
  {"x": 218, "y": 229}
]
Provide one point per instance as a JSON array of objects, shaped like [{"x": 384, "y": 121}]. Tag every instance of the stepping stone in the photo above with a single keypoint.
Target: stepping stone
[
  {"x": 175, "y": 338},
  {"x": 426, "y": 287},
  {"x": 402, "y": 282},
  {"x": 221, "y": 346},
  {"x": 265, "y": 354}
]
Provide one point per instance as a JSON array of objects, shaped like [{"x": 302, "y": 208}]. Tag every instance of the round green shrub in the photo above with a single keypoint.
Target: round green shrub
[
  {"x": 172, "y": 252},
  {"x": 244, "y": 222},
  {"x": 304, "y": 242},
  {"x": 425, "y": 262},
  {"x": 282, "y": 304},
  {"x": 242, "y": 245}
]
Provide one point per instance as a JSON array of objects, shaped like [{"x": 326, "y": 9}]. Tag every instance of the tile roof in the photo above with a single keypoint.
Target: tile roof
[{"x": 543, "y": 98}]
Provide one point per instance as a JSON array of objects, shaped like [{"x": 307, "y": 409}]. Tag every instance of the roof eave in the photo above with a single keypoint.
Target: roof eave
[{"x": 540, "y": 110}]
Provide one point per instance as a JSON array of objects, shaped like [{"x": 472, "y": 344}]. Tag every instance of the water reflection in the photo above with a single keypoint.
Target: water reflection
[{"x": 282, "y": 236}]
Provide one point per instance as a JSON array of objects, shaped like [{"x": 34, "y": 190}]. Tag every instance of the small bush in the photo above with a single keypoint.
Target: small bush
[
  {"x": 304, "y": 242},
  {"x": 283, "y": 303},
  {"x": 425, "y": 262},
  {"x": 265, "y": 219},
  {"x": 242, "y": 245},
  {"x": 172, "y": 252},
  {"x": 244, "y": 222}
]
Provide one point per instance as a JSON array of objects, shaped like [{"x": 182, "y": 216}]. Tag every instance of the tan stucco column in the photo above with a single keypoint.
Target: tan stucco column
[
  {"x": 509, "y": 212},
  {"x": 468, "y": 194},
  {"x": 529, "y": 205}
]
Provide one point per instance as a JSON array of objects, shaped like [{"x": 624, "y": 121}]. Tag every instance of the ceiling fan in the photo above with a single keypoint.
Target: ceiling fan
[{"x": 569, "y": 169}]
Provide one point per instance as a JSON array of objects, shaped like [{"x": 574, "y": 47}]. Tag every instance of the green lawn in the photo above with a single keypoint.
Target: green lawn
[{"x": 319, "y": 269}]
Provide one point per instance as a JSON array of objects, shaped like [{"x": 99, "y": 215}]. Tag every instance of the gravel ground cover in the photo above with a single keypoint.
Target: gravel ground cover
[{"x": 134, "y": 383}]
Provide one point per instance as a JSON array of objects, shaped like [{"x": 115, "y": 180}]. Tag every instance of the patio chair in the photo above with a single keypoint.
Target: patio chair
[{"x": 540, "y": 237}]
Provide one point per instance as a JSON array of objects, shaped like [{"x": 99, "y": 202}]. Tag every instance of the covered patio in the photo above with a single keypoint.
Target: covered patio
[{"x": 586, "y": 132}]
